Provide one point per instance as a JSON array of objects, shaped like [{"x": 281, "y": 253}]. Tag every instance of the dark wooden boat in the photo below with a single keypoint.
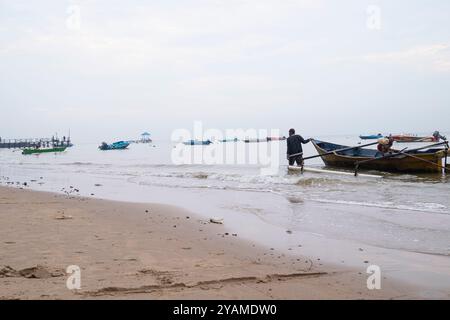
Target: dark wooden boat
[{"x": 399, "y": 163}]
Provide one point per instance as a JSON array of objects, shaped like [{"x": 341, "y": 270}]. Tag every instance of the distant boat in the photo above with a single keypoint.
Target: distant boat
[
  {"x": 254, "y": 140},
  {"x": 114, "y": 146},
  {"x": 436, "y": 137},
  {"x": 248, "y": 140},
  {"x": 276, "y": 138},
  {"x": 43, "y": 150},
  {"x": 197, "y": 142},
  {"x": 371, "y": 137},
  {"x": 229, "y": 140},
  {"x": 413, "y": 138}
]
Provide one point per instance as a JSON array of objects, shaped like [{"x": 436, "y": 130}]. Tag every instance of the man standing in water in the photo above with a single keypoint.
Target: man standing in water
[{"x": 294, "y": 148}]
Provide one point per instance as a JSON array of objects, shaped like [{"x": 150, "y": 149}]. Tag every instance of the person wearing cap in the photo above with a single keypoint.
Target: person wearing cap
[{"x": 294, "y": 148}]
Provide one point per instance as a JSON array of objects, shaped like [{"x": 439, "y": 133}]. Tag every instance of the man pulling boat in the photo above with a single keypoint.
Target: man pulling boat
[{"x": 294, "y": 148}]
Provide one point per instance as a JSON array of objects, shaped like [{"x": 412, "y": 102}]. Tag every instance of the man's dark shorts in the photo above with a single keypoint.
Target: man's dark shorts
[{"x": 298, "y": 159}]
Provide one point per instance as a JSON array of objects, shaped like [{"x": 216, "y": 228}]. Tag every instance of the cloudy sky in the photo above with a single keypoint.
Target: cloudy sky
[{"x": 110, "y": 68}]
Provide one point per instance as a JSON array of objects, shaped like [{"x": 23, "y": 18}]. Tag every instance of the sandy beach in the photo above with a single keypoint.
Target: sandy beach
[
  {"x": 238, "y": 150},
  {"x": 140, "y": 251}
]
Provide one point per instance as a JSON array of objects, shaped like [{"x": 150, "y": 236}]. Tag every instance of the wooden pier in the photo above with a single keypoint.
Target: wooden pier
[{"x": 34, "y": 143}]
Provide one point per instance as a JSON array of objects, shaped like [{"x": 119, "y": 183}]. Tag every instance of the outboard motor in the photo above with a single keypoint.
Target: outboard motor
[
  {"x": 103, "y": 146},
  {"x": 437, "y": 136}
]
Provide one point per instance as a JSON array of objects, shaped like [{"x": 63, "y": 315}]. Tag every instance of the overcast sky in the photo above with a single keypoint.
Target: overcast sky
[{"x": 110, "y": 68}]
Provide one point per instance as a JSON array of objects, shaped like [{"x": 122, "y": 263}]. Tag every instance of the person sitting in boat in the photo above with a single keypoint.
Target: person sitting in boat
[
  {"x": 294, "y": 148},
  {"x": 385, "y": 144}
]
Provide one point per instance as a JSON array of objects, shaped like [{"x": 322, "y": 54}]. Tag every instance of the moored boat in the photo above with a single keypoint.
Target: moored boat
[
  {"x": 435, "y": 137},
  {"x": 276, "y": 138},
  {"x": 266, "y": 139},
  {"x": 43, "y": 150},
  {"x": 371, "y": 137},
  {"x": 254, "y": 140},
  {"x": 419, "y": 160},
  {"x": 412, "y": 138},
  {"x": 230, "y": 140},
  {"x": 119, "y": 145},
  {"x": 197, "y": 142}
]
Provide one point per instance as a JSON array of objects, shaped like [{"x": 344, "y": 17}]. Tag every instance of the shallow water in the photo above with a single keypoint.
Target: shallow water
[{"x": 403, "y": 212}]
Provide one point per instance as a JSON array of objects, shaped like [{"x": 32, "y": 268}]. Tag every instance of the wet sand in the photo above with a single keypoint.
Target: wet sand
[{"x": 152, "y": 251}]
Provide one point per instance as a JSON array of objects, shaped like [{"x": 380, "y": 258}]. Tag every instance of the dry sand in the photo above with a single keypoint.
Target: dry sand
[{"x": 137, "y": 251}]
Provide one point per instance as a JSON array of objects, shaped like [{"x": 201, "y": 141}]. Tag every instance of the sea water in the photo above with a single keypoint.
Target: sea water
[
  {"x": 408, "y": 212},
  {"x": 400, "y": 222}
]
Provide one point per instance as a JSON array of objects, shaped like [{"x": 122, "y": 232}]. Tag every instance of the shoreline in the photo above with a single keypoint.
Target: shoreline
[
  {"x": 428, "y": 275},
  {"x": 165, "y": 253}
]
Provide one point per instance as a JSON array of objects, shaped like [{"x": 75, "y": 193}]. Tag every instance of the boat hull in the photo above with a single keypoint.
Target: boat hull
[
  {"x": 371, "y": 137},
  {"x": 197, "y": 143},
  {"x": 120, "y": 145},
  {"x": 402, "y": 163},
  {"x": 401, "y": 138},
  {"x": 38, "y": 151}
]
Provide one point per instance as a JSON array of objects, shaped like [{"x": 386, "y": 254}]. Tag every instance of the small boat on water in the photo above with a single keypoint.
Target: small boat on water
[
  {"x": 412, "y": 138},
  {"x": 371, "y": 137},
  {"x": 267, "y": 139},
  {"x": 276, "y": 138},
  {"x": 197, "y": 142},
  {"x": 119, "y": 145},
  {"x": 417, "y": 161},
  {"x": 229, "y": 140},
  {"x": 435, "y": 137},
  {"x": 43, "y": 150},
  {"x": 254, "y": 140}
]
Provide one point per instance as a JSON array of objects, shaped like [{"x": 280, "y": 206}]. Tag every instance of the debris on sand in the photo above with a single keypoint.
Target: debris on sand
[
  {"x": 62, "y": 216},
  {"x": 7, "y": 271},
  {"x": 37, "y": 272},
  {"x": 216, "y": 220}
]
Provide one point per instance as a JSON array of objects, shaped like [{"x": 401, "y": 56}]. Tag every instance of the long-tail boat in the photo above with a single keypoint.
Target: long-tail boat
[
  {"x": 435, "y": 137},
  {"x": 412, "y": 138},
  {"x": 197, "y": 142},
  {"x": 371, "y": 136},
  {"x": 119, "y": 145},
  {"x": 43, "y": 150},
  {"x": 230, "y": 140},
  {"x": 427, "y": 159},
  {"x": 276, "y": 138}
]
